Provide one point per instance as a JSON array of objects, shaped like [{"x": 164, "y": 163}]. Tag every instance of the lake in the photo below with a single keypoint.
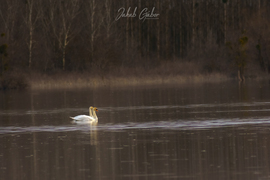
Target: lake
[{"x": 205, "y": 131}]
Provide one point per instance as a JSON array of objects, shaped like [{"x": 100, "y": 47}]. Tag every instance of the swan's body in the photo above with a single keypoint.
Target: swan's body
[
  {"x": 82, "y": 118},
  {"x": 91, "y": 118}
]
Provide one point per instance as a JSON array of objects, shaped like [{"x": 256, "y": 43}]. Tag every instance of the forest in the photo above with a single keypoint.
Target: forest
[{"x": 131, "y": 37}]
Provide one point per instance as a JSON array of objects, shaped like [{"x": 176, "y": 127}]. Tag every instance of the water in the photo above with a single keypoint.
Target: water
[{"x": 204, "y": 131}]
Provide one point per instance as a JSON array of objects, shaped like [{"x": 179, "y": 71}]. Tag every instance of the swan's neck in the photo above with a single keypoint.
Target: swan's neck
[
  {"x": 90, "y": 111},
  {"x": 94, "y": 115}
]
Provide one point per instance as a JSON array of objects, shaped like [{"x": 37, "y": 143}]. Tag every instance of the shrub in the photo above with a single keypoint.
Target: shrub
[{"x": 12, "y": 81}]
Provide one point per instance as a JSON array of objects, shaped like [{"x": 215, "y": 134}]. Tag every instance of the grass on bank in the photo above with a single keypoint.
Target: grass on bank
[
  {"x": 167, "y": 73},
  {"x": 87, "y": 80}
]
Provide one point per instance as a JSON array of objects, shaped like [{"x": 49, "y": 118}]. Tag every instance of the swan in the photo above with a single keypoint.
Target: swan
[{"x": 92, "y": 115}]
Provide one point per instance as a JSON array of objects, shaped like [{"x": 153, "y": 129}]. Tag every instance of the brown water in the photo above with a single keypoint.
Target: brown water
[{"x": 206, "y": 132}]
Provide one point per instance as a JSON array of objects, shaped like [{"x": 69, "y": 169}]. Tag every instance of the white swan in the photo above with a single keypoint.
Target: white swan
[{"x": 92, "y": 117}]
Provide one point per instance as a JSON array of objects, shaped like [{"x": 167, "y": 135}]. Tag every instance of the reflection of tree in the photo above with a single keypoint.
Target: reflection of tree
[
  {"x": 96, "y": 153},
  {"x": 244, "y": 97},
  {"x": 243, "y": 93},
  {"x": 34, "y": 141},
  {"x": 204, "y": 154},
  {"x": 93, "y": 133}
]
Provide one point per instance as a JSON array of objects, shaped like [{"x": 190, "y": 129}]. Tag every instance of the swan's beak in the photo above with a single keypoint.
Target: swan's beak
[{"x": 97, "y": 110}]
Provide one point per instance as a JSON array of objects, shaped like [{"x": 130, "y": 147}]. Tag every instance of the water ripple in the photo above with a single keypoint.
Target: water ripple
[
  {"x": 154, "y": 125},
  {"x": 85, "y": 110}
]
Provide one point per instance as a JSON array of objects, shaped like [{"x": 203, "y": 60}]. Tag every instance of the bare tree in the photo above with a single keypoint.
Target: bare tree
[
  {"x": 69, "y": 10},
  {"x": 193, "y": 22},
  {"x": 108, "y": 21},
  {"x": 182, "y": 25},
  {"x": 158, "y": 34},
  {"x": 167, "y": 28},
  {"x": 95, "y": 21},
  {"x": 60, "y": 21},
  {"x": 30, "y": 19},
  {"x": 8, "y": 22},
  {"x": 127, "y": 29},
  {"x": 225, "y": 20}
]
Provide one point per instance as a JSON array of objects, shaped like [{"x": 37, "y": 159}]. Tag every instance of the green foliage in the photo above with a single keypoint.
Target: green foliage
[
  {"x": 258, "y": 47},
  {"x": 243, "y": 41},
  {"x": 12, "y": 80},
  {"x": 8, "y": 79},
  {"x": 243, "y": 31},
  {"x": 229, "y": 44},
  {"x": 3, "y": 50},
  {"x": 3, "y": 57},
  {"x": 239, "y": 54},
  {"x": 239, "y": 51}
]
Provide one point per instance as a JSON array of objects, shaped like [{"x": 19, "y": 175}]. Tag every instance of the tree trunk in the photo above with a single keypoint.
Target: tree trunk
[
  {"x": 92, "y": 29},
  {"x": 131, "y": 30},
  {"x": 148, "y": 36},
  {"x": 30, "y": 21},
  {"x": 127, "y": 30},
  {"x": 158, "y": 35},
  {"x": 225, "y": 22},
  {"x": 238, "y": 14},
  {"x": 193, "y": 23},
  {"x": 148, "y": 39},
  {"x": 167, "y": 32},
  {"x": 64, "y": 52},
  {"x": 232, "y": 15},
  {"x": 30, "y": 46},
  {"x": 259, "y": 7},
  {"x": 180, "y": 31},
  {"x": 140, "y": 31}
]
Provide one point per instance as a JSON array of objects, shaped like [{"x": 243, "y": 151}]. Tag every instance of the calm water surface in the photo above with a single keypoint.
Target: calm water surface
[{"x": 205, "y": 131}]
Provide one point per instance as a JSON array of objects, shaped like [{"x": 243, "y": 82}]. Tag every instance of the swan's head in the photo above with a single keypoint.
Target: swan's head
[
  {"x": 91, "y": 107},
  {"x": 95, "y": 109}
]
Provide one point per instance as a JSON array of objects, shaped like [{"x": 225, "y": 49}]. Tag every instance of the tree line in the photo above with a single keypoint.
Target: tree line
[{"x": 81, "y": 34}]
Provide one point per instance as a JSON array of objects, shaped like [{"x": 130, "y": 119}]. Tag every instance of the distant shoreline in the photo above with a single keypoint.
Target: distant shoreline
[
  {"x": 72, "y": 82},
  {"x": 174, "y": 73},
  {"x": 87, "y": 81}
]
